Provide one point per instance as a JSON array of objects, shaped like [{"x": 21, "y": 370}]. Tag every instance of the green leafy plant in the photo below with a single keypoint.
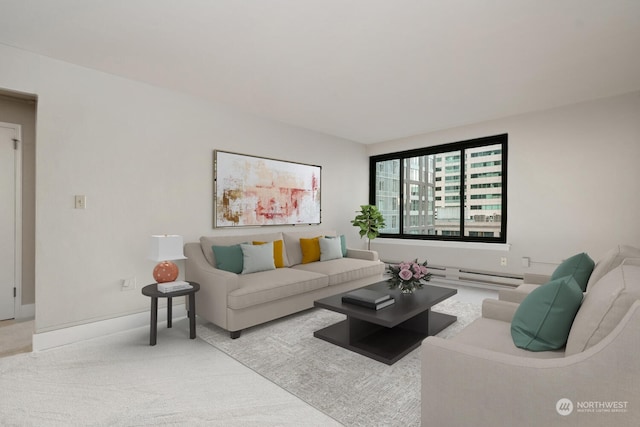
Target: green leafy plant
[{"x": 370, "y": 221}]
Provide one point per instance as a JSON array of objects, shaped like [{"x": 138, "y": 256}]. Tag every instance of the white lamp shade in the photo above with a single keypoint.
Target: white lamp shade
[{"x": 166, "y": 247}]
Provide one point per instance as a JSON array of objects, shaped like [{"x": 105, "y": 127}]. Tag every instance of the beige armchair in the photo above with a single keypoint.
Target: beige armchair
[{"x": 479, "y": 378}]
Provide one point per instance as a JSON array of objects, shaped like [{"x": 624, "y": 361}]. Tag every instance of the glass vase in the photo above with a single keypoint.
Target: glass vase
[{"x": 406, "y": 288}]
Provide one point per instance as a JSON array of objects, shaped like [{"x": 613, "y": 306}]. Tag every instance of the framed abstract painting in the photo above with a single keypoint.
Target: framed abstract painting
[{"x": 257, "y": 191}]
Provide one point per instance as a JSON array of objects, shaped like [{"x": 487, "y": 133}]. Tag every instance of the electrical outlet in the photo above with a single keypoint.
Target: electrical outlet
[
  {"x": 129, "y": 284},
  {"x": 503, "y": 261},
  {"x": 526, "y": 261}
]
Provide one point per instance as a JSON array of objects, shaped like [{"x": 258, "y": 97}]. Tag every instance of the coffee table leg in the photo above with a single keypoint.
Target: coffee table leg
[
  {"x": 418, "y": 323},
  {"x": 169, "y": 309},
  {"x": 192, "y": 315},
  {"x": 154, "y": 321}
]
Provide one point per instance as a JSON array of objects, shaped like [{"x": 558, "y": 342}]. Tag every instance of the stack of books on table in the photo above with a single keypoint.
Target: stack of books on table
[
  {"x": 173, "y": 286},
  {"x": 368, "y": 298}
]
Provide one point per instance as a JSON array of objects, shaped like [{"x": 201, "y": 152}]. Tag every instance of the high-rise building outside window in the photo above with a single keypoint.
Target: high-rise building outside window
[{"x": 455, "y": 191}]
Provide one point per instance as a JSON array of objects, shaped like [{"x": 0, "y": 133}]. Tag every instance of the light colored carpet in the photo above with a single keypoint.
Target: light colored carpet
[
  {"x": 120, "y": 380},
  {"x": 15, "y": 337},
  {"x": 353, "y": 389}
]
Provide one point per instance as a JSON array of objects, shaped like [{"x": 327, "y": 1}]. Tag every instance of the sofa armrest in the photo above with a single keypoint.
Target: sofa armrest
[
  {"x": 215, "y": 285},
  {"x": 499, "y": 310},
  {"x": 531, "y": 281},
  {"x": 362, "y": 254},
  {"x": 466, "y": 385},
  {"x": 536, "y": 279}
]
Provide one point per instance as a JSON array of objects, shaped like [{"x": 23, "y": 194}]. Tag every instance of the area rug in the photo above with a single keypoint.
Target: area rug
[{"x": 353, "y": 389}]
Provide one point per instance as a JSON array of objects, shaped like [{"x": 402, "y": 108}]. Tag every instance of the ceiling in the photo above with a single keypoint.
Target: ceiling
[{"x": 364, "y": 70}]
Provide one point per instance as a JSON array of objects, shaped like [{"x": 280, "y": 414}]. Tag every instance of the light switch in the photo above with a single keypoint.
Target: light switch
[{"x": 81, "y": 202}]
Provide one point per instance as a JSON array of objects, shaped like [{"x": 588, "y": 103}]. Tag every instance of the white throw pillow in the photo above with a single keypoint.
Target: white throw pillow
[
  {"x": 257, "y": 258},
  {"x": 330, "y": 249}
]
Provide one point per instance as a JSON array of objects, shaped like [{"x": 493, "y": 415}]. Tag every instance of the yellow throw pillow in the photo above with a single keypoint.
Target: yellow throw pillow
[
  {"x": 278, "y": 258},
  {"x": 310, "y": 250}
]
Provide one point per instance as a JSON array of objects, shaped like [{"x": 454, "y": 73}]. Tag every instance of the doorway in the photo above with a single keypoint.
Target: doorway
[{"x": 10, "y": 219}]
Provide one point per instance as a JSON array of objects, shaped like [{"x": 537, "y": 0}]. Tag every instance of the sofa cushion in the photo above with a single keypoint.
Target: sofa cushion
[
  {"x": 206, "y": 242},
  {"x": 278, "y": 252},
  {"x": 543, "y": 320},
  {"x": 330, "y": 248},
  {"x": 292, "y": 242},
  {"x": 266, "y": 286},
  {"x": 257, "y": 258},
  {"x": 228, "y": 258},
  {"x": 605, "y": 305},
  {"x": 310, "y": 249},
  {"x": 610, "y": 260},
  {"x": 344, "y": 269},
  {"x": 494, "y": 335},
  {"x": 578, "y": 266}
]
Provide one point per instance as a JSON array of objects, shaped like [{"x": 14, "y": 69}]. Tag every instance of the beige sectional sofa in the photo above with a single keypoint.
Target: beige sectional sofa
[
  {"x": 237, "y": 301},
  {"x": 480, "y": 378}
]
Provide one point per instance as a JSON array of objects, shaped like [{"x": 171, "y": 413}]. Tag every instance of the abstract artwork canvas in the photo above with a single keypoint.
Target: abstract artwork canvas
[{"x": 255, "y": 191}]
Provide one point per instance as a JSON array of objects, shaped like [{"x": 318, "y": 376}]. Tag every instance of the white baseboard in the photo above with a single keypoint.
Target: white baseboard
[{"x": 58, "y": 337}]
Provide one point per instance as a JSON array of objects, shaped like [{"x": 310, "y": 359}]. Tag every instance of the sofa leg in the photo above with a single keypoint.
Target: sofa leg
[{"x": 235, "y": 334}]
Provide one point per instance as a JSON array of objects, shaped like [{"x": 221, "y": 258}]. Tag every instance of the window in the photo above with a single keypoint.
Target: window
[{"x": 469, "y": 202}]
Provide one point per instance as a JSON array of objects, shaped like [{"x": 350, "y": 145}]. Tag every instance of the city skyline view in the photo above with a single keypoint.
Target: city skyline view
[{"x": 433, "y": 192}]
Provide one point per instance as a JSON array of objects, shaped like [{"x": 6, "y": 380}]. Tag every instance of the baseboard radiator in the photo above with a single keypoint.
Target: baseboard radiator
[{"x": 473, "y": 278}]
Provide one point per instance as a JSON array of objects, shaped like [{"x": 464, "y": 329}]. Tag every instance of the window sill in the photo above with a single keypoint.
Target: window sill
[{"x": 504, "y": 247}]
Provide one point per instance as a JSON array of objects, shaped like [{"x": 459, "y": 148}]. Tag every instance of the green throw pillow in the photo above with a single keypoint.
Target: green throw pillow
[
  {"x": 579, "y": 266},
  {"x": 228, "y": 258},
  {"x": 343, "y": 245},
  {"x": 543, "y": 320}
]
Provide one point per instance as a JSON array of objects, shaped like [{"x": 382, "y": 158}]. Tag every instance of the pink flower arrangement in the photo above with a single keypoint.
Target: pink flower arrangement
[{"x": 408, "y": 276}]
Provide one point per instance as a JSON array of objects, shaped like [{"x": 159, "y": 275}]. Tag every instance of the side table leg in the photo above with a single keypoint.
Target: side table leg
[
  {"x": 169, "y": 309},
  {"x": 192, "y": 315},
  {"x": 154, "y": 321}
]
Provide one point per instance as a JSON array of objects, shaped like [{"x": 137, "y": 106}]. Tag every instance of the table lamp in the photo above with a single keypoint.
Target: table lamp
[{"x": 164, "y": 249}]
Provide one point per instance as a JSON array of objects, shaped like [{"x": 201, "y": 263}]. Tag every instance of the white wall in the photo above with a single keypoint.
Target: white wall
[
  {"x": 143, "y": 157},
  {"x": 573, "y": 185}
]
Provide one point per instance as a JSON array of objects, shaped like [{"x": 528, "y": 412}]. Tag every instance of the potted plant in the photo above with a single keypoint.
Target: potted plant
[{"x": 370, "y": 221}]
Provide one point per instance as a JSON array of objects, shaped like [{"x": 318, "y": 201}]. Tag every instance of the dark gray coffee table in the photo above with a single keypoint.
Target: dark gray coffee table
[{"x": 388, "y": 334}]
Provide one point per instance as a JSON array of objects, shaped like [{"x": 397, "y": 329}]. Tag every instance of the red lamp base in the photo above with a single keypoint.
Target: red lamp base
[{"x": 165, "y": 271}]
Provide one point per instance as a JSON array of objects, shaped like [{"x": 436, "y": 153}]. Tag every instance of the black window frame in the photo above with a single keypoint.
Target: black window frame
[{"x": 501, "y": 139}]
